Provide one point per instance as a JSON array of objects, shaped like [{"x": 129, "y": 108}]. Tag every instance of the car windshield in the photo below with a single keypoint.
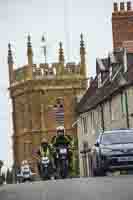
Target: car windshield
[{"x": 117, "y": 138}]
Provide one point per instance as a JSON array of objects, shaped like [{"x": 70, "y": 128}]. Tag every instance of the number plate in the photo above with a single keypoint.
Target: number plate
[{"x": 122, "y": 159}]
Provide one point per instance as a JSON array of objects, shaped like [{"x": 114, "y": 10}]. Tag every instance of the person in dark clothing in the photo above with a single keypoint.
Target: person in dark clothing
[{"x": 62, "y": 139}]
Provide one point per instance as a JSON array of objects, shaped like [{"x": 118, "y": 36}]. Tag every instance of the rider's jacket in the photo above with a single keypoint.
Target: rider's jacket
[
  {"x": 61, "y": 140},
  {"x": 45, "y": 151}
]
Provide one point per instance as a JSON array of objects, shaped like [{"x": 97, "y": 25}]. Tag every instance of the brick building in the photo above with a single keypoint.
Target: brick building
[
  {"x": 122, "y": 24},
  {"x": 43, "y": 97}
]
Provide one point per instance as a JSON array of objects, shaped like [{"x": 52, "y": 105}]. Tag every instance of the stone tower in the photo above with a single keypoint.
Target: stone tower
[
  {"x": 43, "y": 97},
  {"x": 122, "y": 24}
]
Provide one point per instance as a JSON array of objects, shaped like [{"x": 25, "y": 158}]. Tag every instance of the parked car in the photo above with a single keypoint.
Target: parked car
[{"x": 112, "y": 151}]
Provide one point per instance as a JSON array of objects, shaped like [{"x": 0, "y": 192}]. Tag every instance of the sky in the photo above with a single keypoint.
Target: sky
[{"x": 58, "y": 20}]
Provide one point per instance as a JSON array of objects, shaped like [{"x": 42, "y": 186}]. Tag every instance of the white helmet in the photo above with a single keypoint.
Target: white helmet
[
  {"x": 60, "y": 128},
  {"x": 24, "y": 162}
]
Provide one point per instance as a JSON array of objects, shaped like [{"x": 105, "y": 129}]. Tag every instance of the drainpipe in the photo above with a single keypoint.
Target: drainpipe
[
  {"x": 127, "y": 111},
  {"x": 102, "y": 117}
]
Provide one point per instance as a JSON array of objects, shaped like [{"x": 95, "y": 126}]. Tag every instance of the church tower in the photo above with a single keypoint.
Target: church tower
[{"x": 44, "y": 97}]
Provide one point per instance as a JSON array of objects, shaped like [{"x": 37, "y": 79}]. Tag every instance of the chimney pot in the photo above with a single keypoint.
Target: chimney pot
[
  {"x": 128, "y": 5},
  {"x": 122, "y": 6},
  {"x": 115, "y": 7}
]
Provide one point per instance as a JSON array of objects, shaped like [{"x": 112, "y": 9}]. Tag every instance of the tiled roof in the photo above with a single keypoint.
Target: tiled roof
[{"x": 95, "y": 95}]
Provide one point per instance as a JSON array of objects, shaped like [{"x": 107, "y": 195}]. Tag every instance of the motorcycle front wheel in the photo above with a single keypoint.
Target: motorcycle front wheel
[{"x": 63, "y": 169}]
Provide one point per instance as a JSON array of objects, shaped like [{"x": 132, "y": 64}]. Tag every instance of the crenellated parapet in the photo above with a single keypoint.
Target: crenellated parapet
[
  {"x": 122, "y": 8},
  {"x": 122, "y": 23},
  {"x": 46, "y": 71},
  {"x": 57, "y": 70},
  {"x": 72, "y": 67}
]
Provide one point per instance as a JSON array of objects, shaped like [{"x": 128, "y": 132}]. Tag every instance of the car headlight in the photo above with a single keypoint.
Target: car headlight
[{"x": 106, "y": 151}]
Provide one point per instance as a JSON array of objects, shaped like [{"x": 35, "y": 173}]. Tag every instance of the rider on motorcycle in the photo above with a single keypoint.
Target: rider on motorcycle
[
  {"x": 24, "y": 164},
  {"x": 45, "y": 150},
  {"x": 25, "y": 168},
  {"x": 62, "y": 139}
]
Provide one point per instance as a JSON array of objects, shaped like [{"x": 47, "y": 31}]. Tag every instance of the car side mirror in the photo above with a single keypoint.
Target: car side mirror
[{"x": 97, "y": 144}]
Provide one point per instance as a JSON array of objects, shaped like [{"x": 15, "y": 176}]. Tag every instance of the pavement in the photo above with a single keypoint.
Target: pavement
[{"x": 105, "y": 188}]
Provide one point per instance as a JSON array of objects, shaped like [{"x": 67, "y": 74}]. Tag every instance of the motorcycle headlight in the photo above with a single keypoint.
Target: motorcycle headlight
[{"x": 106, "y": 151}]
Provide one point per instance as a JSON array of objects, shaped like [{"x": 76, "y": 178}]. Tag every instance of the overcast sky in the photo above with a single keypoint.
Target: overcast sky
[{"x": 61, "y": 20}]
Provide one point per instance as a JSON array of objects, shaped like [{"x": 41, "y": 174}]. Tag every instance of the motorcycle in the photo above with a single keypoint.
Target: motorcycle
[
  {"x": 62, "y": 161},
  {"x": 25, "y": 174},
  {"x": 45, "y": 168}
]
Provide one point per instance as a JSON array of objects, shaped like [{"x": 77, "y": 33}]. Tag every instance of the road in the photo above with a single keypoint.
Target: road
[{"x": 107, "y": 188}]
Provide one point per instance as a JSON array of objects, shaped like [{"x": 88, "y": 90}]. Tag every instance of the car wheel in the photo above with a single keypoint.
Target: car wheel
[
  {"x": 90, "y": 167},
  {"x": 94, "y": 172},
  {"x": 101, "y": 172}
]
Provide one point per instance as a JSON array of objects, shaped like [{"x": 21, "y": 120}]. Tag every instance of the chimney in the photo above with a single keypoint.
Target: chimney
[
  {"x": 122, "y": 6},
  {"x": 115, "y": 7},
  {"x": 129, "y": 6}
]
